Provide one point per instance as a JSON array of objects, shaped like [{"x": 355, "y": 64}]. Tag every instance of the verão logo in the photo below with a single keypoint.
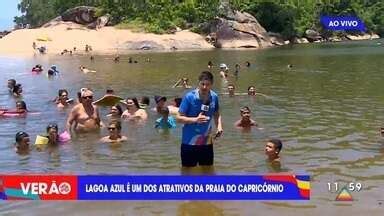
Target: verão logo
[{"x": 42, "y": 188}]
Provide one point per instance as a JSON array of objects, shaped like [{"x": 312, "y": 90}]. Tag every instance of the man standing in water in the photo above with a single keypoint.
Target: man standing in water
[
  {"x": 196, "y": 111},
  {"x": 85, "y": 116}
]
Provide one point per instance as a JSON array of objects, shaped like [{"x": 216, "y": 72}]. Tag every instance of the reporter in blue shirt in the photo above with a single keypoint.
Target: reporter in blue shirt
[{"x": 196, "y": 111}]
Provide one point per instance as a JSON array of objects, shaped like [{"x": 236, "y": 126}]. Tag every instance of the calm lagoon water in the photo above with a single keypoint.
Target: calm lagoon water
[{"x": 327, "y": 109}]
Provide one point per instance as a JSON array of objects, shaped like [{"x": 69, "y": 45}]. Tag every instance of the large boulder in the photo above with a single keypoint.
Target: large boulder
[
  {"x": 312, "y": 35},
  {"x": 235, "y": 29},
  {"x": 142, "y": 45},
  {"x": 84, "y": 15}
]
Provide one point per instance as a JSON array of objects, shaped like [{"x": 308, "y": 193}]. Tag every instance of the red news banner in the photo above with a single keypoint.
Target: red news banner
[{"x": 38, "y": 187}]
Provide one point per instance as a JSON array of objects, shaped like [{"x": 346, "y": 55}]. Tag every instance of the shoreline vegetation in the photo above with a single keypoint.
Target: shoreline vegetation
[{"x": 124, "y": 26}]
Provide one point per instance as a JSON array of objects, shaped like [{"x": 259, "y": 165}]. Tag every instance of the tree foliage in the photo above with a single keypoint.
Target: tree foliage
[{"x": 288, "y": 17}]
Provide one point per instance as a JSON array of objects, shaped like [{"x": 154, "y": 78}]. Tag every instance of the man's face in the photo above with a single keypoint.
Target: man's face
[
  {"x": 161, "y": 103},
  {"x": 87, "y": 97},
  {"x": 270, "y": 149},
  {"x": 231, "y": 90},
  {"x": 10, "y": 84},
  {"x": 245, "y": 114},
  {"x": 64, "y": 96},
  {"x": 113, "y": 130},
  {"x": 205, "y": 86}
]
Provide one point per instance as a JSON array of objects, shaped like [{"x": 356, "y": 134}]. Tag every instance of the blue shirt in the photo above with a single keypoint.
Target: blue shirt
[
  {"x": 191, "y": 105},
  {"x": 161, "y": 123}
]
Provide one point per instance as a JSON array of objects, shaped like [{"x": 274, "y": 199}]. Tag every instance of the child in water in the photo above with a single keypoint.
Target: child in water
[
  {"x": 272, "y": 150},
  {"x": 165, "y": 121},
  {"x": 245, "y": 122},
  {"x": 22, "y": 142}
]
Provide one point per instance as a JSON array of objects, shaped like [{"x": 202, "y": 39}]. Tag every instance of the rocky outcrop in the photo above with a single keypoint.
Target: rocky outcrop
[
  {"x": 312, "y": 35},
  {"x": 362, "y": 36},
  {"x": 300, "y": 40},
  {"x": 3, "y": 33},
  {"x": 235, "y": 29},
  {"x": 142, "y": 45},
  {"x": 83, "y": 15}
]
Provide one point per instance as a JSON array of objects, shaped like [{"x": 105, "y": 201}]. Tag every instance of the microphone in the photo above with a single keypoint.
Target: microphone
[{"x": 205, "y": 108}]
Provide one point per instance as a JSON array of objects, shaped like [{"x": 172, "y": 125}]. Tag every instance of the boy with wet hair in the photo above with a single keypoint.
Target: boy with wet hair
[
  {"x": 22, "y": 142},
  {"x": 245, "y": 121},
  {"x": 272, "y": 150}
]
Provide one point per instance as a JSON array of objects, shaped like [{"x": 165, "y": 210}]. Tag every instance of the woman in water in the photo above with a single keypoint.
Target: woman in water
[
  {"x": 62, "y": 100},
  {"x": 252, "y": 91},
  {"x": 21, "y": 110},
  {"x": 114, "y": 136},
  {"x": 183, "y": 82},
  {"x": 17, "y": 90},
  {"x": 115, "y": 112},
  {"x": 134, "y": 112}
]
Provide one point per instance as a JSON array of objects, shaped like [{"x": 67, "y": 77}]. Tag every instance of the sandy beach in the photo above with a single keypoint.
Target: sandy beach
[{"x": 108, "y": 40}]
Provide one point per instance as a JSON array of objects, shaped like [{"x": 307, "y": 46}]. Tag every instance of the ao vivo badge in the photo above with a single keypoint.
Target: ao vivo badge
[
  {"x": 340, "y": 23},
  {"x": 48, "y": 187}
]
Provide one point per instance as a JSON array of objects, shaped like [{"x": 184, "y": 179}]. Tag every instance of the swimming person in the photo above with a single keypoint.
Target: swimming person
[
  {"x": 21, "y": 110},
  {"x": 53, "y": 134},
  {"x": 86, "y": 70},
  {"x": 196, "y": 111},
  {"x": 84, "y": 116},
  {"x": 37, "y": 69},
  {"x": 53, "y": 71},
  {"x": 114, "y": 136},
  {"x": 62, "y": 100},
  {"x": 252, "y": 91},
  {"x": 247, "y": 64},
  {"x": 11, "y": 85},
  {"x": 144, "y": 102},
  {"x": 165, "y": 121},
  {"x": 223, "y": 71},
  {"x": 231, "y": 90},
  {"x": 134, "y": 112},
  {"x": 237, "y": 70},
  {"x": 210, "y": 65},
  {"x": 115, "y": 112},
  {"x": 21, "y": 107},
  {"x": 17, "y": 90},
  {"x": 174, "y": 107},
  {"x": 183, "y": 82},
  {"x": 22, "y": 142},
  {"x": 160, "y": 103},
  {"x": 245, "y": 122},
  {"x": 272, "y": 150}
]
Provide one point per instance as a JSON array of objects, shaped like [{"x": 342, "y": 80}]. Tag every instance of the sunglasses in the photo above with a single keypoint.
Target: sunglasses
[
  {"x": 111, "y": 128},
  {"x": 88, "y": 97},
  {"x": 64, "y": 95}
]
